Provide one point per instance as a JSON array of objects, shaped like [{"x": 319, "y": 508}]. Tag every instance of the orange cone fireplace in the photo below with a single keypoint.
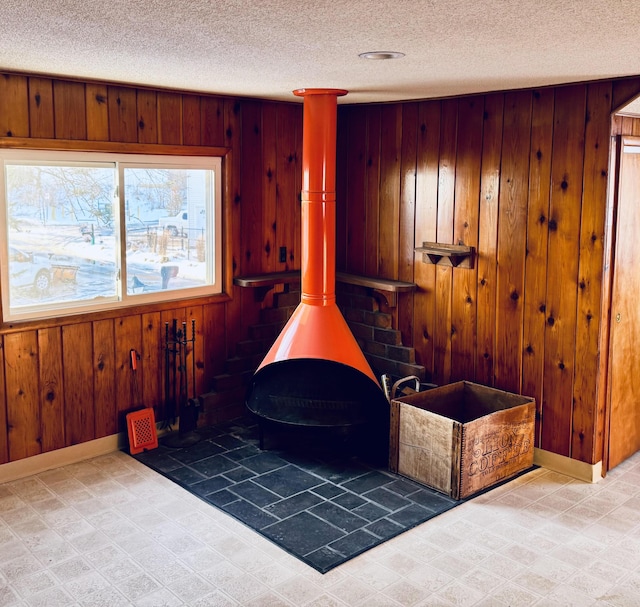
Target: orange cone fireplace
[{"x": 315, "y": 373}]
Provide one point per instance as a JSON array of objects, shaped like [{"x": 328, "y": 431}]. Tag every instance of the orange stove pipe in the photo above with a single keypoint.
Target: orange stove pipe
[{"x": 317, "y": 329}]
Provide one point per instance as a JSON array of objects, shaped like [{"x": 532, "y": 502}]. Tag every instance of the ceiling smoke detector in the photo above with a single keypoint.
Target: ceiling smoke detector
[{"x": 381, "y": 55}]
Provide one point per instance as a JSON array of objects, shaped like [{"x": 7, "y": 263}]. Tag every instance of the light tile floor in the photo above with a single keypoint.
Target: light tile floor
[{"x": 111, "y": 532}]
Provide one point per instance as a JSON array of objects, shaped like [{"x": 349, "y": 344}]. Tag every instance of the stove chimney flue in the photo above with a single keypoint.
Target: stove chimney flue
[{"x": 316, "y": 364}]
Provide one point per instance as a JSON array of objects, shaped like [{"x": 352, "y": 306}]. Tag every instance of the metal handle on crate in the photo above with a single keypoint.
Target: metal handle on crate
[{"x": 403, "y": 380}]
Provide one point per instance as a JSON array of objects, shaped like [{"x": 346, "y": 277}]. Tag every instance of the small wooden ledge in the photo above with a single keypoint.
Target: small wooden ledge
[
  {"x": 263, "y": 283},
  {"x": 384, "y": 287},
  {"x": 387, "y": 289},
  {"x": 454, "y": 255}
]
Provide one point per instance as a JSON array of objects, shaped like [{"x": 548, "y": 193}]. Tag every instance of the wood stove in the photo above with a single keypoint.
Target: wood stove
[{"x": 315, "y": 374}]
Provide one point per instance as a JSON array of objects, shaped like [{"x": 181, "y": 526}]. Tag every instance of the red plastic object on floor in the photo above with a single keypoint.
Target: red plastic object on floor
[{"x": 141, "y": 426}]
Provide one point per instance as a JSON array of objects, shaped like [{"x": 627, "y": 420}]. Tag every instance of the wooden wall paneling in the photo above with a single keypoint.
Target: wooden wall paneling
[
  {"x": 22, "y": 394},
  {"x": 191, "y": 120},
  {"x": 390, "y": 153},
  {"x": 51, "y": 385},
  {"x": 77, "y": 367},
  {"x": 588, "y": 413},
  {"x": 354, "y": 215},
  {"x": 96, "y": 102},
  {"x": 104, "y": 378},
  {"x": 372, "y": 190},
  {"x": 269, "y": 239},
  {"x": 122, "y": 106},
  {"x": 196, "y": 385},
  {"x": 407, "y": 217},
  {"x": 169, "y": 118},
  {"x": 424, "y": 275},
  {"x": 512, "y": 229},
  {"x": 152, "y": 355},
  {"x": 444, "y": 235},
  {"x": 14, "y": 106},
  {"x": 562, "y": 282},
  {"x": 213, "y": 336},
  {"x": 342, "y": 183},
  {"x": 252, "y": 184},
  {"x": 488, "y": 238},
  {"x": 70, "y": 115},
  {"x": 128, "y": 334},
  {"x": 251, "y": 218},
  {"x": 535, "y": 317},
  {"x": 624, "y": 90},
  {"x": 147, "y": 108},
  {"x": 212, "y": 121},
  {"x": 4, "y": 429},
  {"x": 41, "y": 122},
  {"x": 297, "y": 218},
  {"x": 287, "y": 169},
  {"x": 465, "y": 231},
  {"x": 234, "y": 242}
]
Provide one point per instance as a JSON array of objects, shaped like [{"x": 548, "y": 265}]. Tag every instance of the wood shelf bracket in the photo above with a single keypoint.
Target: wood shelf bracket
[{"x": 454, "y": 255}]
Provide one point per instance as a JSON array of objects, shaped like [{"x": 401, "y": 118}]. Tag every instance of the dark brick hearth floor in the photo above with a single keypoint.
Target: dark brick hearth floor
[{"x": 315, "y": 496}]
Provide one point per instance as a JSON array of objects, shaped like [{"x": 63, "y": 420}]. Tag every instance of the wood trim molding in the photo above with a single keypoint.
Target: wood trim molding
[
  {"x": 81, "y": 145},
  {"x": 589, "y": 473}
]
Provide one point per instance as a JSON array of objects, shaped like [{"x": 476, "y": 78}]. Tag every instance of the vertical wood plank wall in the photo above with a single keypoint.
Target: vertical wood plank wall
[
  {"x": 70, "y": 382},
  {"x": 521, "y": 176}
]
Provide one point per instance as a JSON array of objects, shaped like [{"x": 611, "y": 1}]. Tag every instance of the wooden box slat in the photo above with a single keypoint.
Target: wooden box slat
[{"x": 461, "y": 438}]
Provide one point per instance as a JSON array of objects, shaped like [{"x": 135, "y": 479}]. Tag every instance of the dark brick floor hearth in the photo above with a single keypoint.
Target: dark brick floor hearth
[{"x": 316, "y": 496}]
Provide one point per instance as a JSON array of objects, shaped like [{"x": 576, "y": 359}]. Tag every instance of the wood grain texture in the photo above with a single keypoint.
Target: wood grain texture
[
  {"x": 122, "y": 106},
  {"x": 372, "y": 191},
  {"x": 169, "y": 118},
  {"x": 212, "y": 121},
  {"x": 22, "y": 394},
  {"x": 96, "y": 98},
  {"x": 562, "y": 282},
  {"x": 535, "y": 317},
  {"x": 70, "y": 113},
  {"x": 428, "y": 151},
  {"x": 407, "y": 215},
  {"x": 191, "y": 120},
  {"x": 488, "y": 238},
  {"x": 4, "y": 443},
  {"x": 267, "y": 251},
  {"x": 77, "y": 361},
  {"x": 52, "y": 392},
  {"x": 444, "y": 234},
  {"x": 152, "y": 356},
  {"x": 104, "y": 378},
  {"x": 587, "y": 425},
  {"x": 14, "y": 106},
  {"x": 147, "y": 108},
  {"x": 466, "y": 231},
  {"x": 41, "y": 123},
  {"x": 287, "y": 186},
  {"x": 512, "y": 221},
  {"x": 352, "y": 247},
  {"x": 390, "y": 153},
  {"x": 624, "y": 363},
  {"x": 129, "y": 382}
]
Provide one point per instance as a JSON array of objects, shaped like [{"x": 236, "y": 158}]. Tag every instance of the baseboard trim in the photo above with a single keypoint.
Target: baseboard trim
[
  {"x": 61, "y": 457},
  {"x": 590, "y": 473},
  {"x": 68, "y": 455}
]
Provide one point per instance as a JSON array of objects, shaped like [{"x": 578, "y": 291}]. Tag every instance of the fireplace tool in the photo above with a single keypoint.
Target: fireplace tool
[{"x": 177, "y": 377}]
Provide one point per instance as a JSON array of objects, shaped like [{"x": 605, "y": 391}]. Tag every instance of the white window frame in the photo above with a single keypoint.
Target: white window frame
[{"x": 122, "y": 299}]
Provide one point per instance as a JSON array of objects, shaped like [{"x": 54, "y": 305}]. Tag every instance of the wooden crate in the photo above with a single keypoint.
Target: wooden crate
[{"x": 462, "y": 437}]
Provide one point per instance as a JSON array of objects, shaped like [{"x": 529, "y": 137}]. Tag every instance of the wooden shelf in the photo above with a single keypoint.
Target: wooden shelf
[
  {"x": 386, "y": 288},
  {"x": 454, "y": 255}
]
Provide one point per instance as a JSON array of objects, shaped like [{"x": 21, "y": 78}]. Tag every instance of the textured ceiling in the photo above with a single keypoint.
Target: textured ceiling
[{"x": 267, "y": 48}]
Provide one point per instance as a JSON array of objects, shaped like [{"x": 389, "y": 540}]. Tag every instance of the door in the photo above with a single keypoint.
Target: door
[{"x": 624, "y": 352}]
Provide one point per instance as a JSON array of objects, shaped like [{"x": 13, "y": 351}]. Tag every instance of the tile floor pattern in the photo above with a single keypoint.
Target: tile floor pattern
[
  {"x": 322, "y": 505},
  {"x": 110, "y": 531}
]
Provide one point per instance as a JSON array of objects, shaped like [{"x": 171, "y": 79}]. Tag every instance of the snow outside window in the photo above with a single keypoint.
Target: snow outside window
[{"x": 88, "y": 231}]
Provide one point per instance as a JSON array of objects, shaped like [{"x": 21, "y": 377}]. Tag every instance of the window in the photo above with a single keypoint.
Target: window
[{"x": 89, "y": 231}]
